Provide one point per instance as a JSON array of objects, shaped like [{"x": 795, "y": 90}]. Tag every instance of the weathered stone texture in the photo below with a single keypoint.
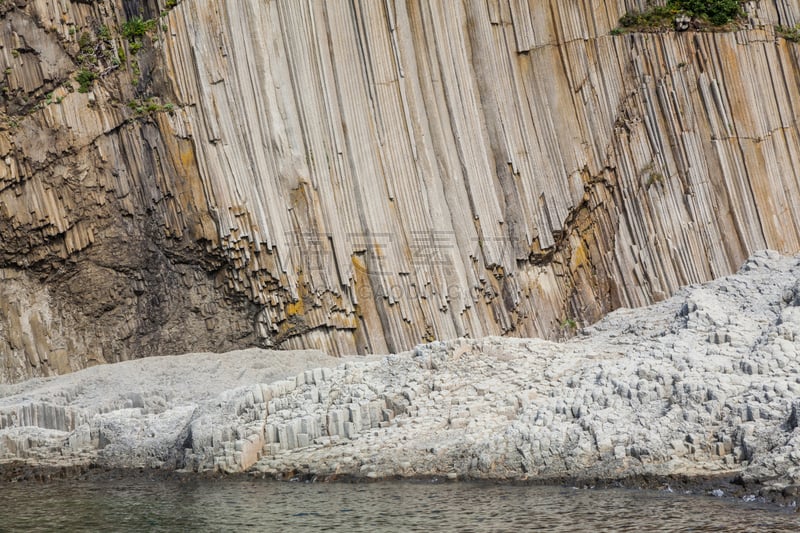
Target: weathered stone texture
[
  {"x": 103, "y": 247},
  {"x": 360, "y": 177},
  {"x": 703, "y": 383}
]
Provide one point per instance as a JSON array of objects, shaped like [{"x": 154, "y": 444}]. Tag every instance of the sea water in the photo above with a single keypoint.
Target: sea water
[{"x": 241, "y": 504}]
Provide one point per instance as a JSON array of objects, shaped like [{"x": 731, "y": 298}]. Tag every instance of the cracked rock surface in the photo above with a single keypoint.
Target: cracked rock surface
[{"x": 703, "y": 383}]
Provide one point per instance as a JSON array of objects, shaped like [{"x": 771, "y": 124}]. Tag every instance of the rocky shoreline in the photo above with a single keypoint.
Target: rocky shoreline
[
  {"x": 721, "y": 486},
  {"x": 703, "y": 386}
]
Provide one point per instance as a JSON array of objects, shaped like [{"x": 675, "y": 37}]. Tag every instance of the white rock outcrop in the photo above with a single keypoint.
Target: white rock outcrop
[
  {"x": 199, "y": 411},
  {"x": 703, "y": 383}
]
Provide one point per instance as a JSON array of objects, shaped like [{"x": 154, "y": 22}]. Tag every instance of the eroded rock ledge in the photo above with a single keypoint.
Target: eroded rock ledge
[{"x": 702, "y": 384}]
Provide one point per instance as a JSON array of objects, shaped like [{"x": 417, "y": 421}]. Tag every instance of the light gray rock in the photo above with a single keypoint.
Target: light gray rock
[
  {"x": 703, "y": 383},
  {"x": 200, "y": 411},
  {"x": 699, "y": 384}
]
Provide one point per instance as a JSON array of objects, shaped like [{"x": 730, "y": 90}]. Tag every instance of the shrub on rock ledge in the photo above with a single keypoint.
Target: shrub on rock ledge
[
  {"x": 718, "y": 12},
  {"x": 715, "y": 13}
]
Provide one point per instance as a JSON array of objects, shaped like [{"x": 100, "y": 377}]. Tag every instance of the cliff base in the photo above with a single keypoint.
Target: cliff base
[{"x": 699, "y": 386}]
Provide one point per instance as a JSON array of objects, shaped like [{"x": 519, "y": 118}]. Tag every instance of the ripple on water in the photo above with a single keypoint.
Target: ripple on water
[{"x": 247, "y": 505}]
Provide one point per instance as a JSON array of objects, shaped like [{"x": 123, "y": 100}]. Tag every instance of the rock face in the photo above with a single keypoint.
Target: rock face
[
  {"x": 102, "y": 247},
  {"x": 364, "y": 177},
  {"x": 702, "y": 383},
  {"x": 191, "y": 412}
]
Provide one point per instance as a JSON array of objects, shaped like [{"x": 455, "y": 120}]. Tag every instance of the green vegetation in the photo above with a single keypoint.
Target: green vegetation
[
  {"x": 94, "y": 54},
  {"x": 136, "y": 28},
  {"x": 150, "y": 106},
  {"x": 50, "y": 98},
  {"x": 85, "y": 41},
  {"x": 713, "y": 13},
  {"x": 789, "y": 33},
  {"x": 85, "y": 77},
  {"x": 569, "y": 323},
  {"x": 656, "y": 17},
  {"x": 169, "y": 6},
  {"x": 136, "y": 71},
  {"x": 87, "y": 55},
  {"x": 104, "y": 34},
  {"x": 133, "y": 31},
  {"x": 100, "y": 52},
  {"x": 717, "y": 12}
]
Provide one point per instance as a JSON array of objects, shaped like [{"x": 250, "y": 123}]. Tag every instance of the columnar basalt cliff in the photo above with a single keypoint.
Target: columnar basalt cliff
[{"x": 361, "y": 177}]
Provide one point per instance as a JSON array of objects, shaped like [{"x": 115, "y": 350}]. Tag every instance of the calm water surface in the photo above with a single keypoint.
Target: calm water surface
[{"x": 247, "y": 505}]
